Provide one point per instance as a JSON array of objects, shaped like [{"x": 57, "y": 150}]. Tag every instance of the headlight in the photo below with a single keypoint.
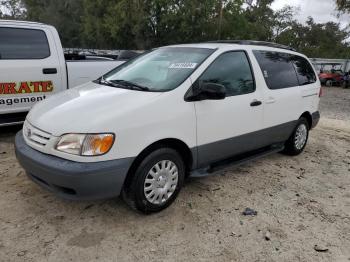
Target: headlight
[{"x": 85, "y": 144}]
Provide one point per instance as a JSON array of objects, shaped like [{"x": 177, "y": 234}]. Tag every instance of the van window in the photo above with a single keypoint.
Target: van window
[
  {"x": 305, "y": 72},
  {"x": 19, "y": 43},
  {"x": 233, "y": 71},
  {"x": 277, "y": 69}
]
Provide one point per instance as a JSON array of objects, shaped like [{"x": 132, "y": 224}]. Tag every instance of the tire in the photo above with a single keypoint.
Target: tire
[
  {"x": 296, "y": 143},
  {"x": 159, "y": 168},
  {"x": 329, "y": 82}
]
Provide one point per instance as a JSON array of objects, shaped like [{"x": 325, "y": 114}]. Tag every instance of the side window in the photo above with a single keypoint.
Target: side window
[
  {"x": 233, "y": 71},
  {"x": 305, "y": 72},
  {"x": 277, "y": 69},
  {"x": 18, "y": 43}
]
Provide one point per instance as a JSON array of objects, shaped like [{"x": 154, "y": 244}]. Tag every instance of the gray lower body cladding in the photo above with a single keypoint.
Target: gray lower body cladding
[
  {"x": 315, "y": 119},
  {"x": 223, "y": 149},
  {"x": 72, "y": 180},
  {"x": 217, "y": 151}
]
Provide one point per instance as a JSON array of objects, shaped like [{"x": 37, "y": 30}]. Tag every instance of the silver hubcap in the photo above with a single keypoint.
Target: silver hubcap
[
  {"x": 161, "y": 182},
  {"x": 300, "y": 136}
]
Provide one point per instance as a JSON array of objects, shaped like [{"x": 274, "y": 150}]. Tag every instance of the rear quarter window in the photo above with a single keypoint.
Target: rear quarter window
[
  {"x": 277, "y": 68},
  {"x": 20, "y": 43},
  {"x": 305, "y": 73}
]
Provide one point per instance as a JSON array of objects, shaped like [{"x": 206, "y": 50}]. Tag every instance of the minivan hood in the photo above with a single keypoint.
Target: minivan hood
[{"x": 80, "y": 109}]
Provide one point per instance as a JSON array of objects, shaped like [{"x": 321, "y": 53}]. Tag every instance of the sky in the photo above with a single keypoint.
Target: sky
[{"x": 321, "y": 10}]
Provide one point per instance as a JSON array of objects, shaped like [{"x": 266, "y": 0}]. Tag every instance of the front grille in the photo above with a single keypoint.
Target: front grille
[{"x": 36, "y": 135}]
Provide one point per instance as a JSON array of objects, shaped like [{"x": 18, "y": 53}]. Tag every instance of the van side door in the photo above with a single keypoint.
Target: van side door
[
  {"x": 282, "y": 94},
  {"x": 30, "y": 69},
  {"x": 228, "y": 127}
]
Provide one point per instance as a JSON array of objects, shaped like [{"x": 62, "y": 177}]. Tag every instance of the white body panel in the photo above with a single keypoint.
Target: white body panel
[
  {"x": 139, "y": 119},
  {"x": 288, "y": 104},
  {"x": 30, "y": 71},
  {"x": 217, "y": 119}
]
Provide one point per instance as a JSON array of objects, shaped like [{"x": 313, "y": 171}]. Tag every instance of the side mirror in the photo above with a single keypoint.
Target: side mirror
[{"x": 207, "y": 91}]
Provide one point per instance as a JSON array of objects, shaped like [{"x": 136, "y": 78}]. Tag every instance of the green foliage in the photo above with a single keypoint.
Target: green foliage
[
  {"x": 144, "y": 24},
  {"x": 343, "y": 5},
  {"x": 260, "y": 19},
  {"x": 12, "y": 9},
  {"x": 317, "y": 40},
  {"x": 65, "y": 15}
]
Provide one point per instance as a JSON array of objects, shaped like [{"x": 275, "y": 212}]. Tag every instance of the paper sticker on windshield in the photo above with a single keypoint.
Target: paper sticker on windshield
[{"x": 183, "y": 66}]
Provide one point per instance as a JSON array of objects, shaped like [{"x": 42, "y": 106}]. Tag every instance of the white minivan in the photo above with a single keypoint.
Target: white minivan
[{"x": 173, "y": 112}]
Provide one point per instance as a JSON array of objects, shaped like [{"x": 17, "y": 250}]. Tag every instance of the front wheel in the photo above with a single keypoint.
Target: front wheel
[
  {"x": 296, "y": 143},
  {"x": 329, "y": 83},
  {"x": 156, "y": 182}
]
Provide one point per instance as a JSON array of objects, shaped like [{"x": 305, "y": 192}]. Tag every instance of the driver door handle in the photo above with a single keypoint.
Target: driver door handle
[
  {"x": 256, "y": 103},
  {"x": 50, "y": 71}
]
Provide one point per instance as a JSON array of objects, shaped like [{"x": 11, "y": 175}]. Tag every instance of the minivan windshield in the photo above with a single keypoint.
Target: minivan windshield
[{"x": 160, "y": 70}]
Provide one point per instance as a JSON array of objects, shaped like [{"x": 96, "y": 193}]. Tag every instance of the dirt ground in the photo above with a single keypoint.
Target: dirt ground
[{"x": 301, "y": 202}]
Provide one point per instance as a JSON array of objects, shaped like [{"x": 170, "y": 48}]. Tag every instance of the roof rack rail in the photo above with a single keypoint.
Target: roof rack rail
[
  {"x": 20, "y": 22},
  {"x": 253, "y": 42}
]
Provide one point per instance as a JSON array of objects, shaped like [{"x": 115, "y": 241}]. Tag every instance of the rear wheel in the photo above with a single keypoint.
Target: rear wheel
[
  {"x": 156, "y": 182},
  {"x": 296, "y": 143},
  {"x": 329, "y": 83}
]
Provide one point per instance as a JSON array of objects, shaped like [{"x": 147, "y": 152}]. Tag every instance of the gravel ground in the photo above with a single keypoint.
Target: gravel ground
[
  {"x": 300, "y": 202},
  {"x": 336, "y": 103}
]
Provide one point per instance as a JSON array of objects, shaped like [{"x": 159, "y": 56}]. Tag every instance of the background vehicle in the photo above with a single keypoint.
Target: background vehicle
[
  {"x": 33, "y": 67},
  {"x": 331, "y": 74}
]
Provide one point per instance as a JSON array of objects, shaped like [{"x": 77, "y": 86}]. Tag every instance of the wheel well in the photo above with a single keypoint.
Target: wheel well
[
  {"x": 173, "y": 143},
  {"x": 308, "y": 117}
]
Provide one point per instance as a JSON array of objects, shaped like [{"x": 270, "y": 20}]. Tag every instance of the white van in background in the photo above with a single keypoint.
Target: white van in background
[
  {"x": 176, "y": 111},
  {"x": 33, "y": 67}
]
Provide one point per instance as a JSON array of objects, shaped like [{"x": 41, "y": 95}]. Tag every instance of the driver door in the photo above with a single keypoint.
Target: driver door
[{"x": 230, "y": 126}]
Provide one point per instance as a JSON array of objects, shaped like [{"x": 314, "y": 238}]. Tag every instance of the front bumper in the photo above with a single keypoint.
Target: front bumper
[{"x": 72, "y": 180}]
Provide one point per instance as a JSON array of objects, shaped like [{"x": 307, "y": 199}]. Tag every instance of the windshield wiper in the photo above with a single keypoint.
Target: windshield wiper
[
  {"x": 107, "y": 83},
  {"x": 130, "y": 85}
]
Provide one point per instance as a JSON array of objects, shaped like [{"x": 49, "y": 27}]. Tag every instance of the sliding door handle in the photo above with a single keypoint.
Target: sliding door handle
[
  {"x": 256, "y": 103},
  {"x": 270, "y": 100},
  {"x": 50, "y": 71}
]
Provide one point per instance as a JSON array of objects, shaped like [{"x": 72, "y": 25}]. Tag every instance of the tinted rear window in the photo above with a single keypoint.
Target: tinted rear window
[
  {"x": 305, "y": 72},
  {"x": 277, "y": 68},
  {"x": 17, "y": 43}
]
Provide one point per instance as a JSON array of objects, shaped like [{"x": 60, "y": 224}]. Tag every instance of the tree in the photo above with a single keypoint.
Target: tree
[
  {"x": 343, "y": 5},
  {"x": 317, "y": 40},
  {"x": 65, "y": 15},
  {"x": 260, "y": 18},
  {"x": 12, "y": 9},
  {"x": 158, "y": 22},
  {"x": 283, "y": 20},
  {"x": 144, "y": 24}
]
